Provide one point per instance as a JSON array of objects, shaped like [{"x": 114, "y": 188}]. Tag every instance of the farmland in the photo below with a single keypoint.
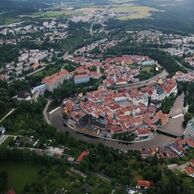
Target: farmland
[{"x": 133, "y": 12}]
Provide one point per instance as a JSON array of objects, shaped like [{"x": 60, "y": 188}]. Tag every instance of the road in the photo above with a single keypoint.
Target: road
[
  {"x": 189, "y": 70},
  {"x": 29, "y": 74},
  {"x": 45, "y": 113},
  {"x": 150, "y": 81},
  {"x": 91, "y": 27}
]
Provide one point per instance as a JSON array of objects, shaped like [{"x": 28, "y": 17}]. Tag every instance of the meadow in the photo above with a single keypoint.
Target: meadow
[{"x": 19, "y": 174}]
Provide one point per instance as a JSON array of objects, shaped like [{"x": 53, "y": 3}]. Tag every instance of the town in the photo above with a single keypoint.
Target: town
[{"x": 96, "y": 97}]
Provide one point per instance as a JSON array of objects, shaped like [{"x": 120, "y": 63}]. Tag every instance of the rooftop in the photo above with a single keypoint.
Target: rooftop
[{"x": 55, "y": 77}]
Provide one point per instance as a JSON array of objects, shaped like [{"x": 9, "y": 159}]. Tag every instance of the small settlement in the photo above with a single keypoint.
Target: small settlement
[{"x": 110, "y": 110}]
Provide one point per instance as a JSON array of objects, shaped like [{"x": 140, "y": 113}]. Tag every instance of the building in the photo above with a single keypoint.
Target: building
[
  {"x": 82, "y": 75},
  {"x": 55, "y": 152},
  {"x": 82, "y": 78},
  {"x": 170, "y": 87},
  {"x": 84, "y": 154},
  {"x": 54, "y": 81},
  {"x": 189, "y": 171},
  {"x": 143, "y": 184},
  {"x": 39, "y": 89},
  {"x": 143, "y": 133},
  {"x": 149, "y": 63},
  {"x": 2, "y": 131}
]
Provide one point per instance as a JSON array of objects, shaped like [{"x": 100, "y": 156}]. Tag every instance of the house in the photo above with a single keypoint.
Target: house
[
  {"x": 170, "y": 87},
  {"x": 163, "y": 118},
  {"x": 189, "y": 171},
  {"x": 95, "y": 75},
  {"x": 143, "y": 184},
  {"x": 160, "y": 95},
  {"x": 143, "y": 133},
  {"x": 35, "y": 66},
  {"x": 84, "y": 154},
  {"x": 55, "y": 152},
  {"x": 190, "y": 143},
  {"x": 177, "y": 149}
]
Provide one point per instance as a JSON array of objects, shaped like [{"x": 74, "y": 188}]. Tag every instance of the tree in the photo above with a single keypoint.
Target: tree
[{"x": 3, "y": 181}]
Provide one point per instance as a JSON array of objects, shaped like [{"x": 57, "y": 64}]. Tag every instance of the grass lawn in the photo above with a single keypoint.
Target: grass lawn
[
  {"x": 19, "y": 174},
  {"x": 148, "y": 69}
]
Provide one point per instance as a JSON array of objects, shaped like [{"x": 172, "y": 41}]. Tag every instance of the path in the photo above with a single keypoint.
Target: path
[
  {"x": 9, "y": 113},
  {"x": 45, "y": 112}
]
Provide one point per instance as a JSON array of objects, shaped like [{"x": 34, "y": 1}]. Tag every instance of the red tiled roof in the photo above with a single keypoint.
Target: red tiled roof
[
  {"x": 69, "y": 104},
  {"x": 169, "y": 85},
  {"x": 95, "y": 74},
  {"x": 82, "y": 155},
  {"x": 115, "y": 128},
  {"x": 163, "y": 117},
  {"x": 144, "y": 183},
  {"x": 11, "y": 192},
  {"x": 143, "y": 131},
  {"x": 55, "y": 77},
  {"x": 35, "y": 65},
  {"x": 113, "y": 106},
  {"x": 190, "y": 142},
  {"x": 189, "y": 170},
  {"x": 82, "y": 70}
]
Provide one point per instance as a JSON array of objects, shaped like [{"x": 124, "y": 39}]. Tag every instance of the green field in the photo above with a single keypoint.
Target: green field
[
  {"x": 134, "y": 12},
  {"x": 19, "y": 174},
  {"x": 125, "y": 7},
  {"x": 51, "y": 14},
  {"x": 8, "y": 20}
]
